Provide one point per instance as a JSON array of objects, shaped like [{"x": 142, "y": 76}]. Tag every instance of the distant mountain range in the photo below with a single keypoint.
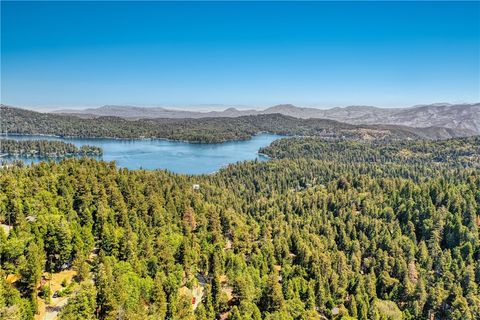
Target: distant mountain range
[
  {"x": 135, "y": 113},
  {"x": 210, "y": 129},
  {"x": 453, "y": 116}
]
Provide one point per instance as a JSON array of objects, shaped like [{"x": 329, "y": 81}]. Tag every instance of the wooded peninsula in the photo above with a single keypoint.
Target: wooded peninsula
[{"x": 45, "y": 149}]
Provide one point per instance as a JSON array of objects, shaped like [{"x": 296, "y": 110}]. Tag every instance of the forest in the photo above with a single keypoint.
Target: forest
[
  {"x": 324, "y": 230},
  {"x": 208, "y": 130},
  {"x": 455, "y": 152},
  {"x": 46, "y": 149}
]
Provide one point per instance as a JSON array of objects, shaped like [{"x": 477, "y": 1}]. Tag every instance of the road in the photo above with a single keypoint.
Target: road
[{"x": 53, "y": 310}]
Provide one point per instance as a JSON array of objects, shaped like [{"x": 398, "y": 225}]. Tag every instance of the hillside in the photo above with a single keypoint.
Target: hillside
[
  {"x": 203, "y": 130},
  {"x": 456, "y": 152},
  {"x": 311, "y": 236},
  {"x": 458, "y": 116}
]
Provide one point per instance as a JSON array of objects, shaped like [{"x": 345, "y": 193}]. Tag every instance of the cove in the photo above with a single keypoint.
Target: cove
[{"x": 175, "y": 156}]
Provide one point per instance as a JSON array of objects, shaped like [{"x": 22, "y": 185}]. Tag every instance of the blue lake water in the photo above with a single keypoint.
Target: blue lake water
[{"x": 175, "y": 156}]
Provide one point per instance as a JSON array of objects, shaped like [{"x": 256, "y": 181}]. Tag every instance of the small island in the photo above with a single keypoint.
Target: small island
[{"x": 46, "y": 149}]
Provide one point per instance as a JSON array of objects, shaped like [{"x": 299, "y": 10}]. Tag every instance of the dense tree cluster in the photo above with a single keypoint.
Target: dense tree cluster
[
  {"x": 46, "y": 148},
  {"x": 459, "y": 151},
  {"x": 293, "y": 238},
  {"x": 206, "y": 130}
]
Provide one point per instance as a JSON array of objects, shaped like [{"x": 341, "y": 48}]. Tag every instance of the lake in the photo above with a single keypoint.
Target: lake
[{"x": 175, "y": 156}]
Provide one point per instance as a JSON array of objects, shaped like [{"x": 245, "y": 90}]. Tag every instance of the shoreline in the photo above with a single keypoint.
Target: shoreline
[
  {"x": 255, "y": 154},
  {"x": 2, "y": 135}
]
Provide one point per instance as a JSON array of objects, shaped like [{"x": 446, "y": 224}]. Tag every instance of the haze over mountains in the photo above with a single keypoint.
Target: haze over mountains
[{"x": 453, "y": 116}]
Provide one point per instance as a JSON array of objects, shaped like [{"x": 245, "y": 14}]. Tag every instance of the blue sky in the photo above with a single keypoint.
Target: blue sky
[{"x": 75, "y": 54}]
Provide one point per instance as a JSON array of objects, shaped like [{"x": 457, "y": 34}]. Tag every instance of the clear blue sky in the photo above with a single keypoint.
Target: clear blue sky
[{"x": 67, "y": 54}]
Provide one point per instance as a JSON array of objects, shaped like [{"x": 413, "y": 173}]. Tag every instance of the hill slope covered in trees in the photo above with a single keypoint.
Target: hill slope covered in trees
[
  {"x": 456, "y": 116},
  {"x": 296, "y": 238},
  {"x": 462, "y": 151},
  {"x": 208, "y": 130}
]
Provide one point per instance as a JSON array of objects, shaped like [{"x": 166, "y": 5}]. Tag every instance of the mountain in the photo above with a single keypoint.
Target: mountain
[
  {"x": 210, "y": 129},
  {"x": 451, "y": 116},
  {"x": 135, "y": 113},
  {"x": 459, "y": 116}
]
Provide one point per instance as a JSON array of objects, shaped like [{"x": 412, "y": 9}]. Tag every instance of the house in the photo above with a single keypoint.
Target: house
[
  {"x": 196, "y": 187},
  {"x": 6, "y": 228},
  {"x": 335, "y": 311}
]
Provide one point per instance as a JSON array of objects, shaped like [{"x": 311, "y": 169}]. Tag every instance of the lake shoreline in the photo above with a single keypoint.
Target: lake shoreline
[
  {"x": 181, "y": 157},
  {"x": 3, "y": 135}
]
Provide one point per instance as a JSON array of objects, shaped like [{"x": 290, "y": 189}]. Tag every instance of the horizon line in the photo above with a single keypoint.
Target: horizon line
[{"x": 216, "y": 107}]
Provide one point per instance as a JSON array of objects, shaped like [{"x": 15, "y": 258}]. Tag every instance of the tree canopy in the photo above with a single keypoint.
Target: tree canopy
[{"x": 339, "y": 230}]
